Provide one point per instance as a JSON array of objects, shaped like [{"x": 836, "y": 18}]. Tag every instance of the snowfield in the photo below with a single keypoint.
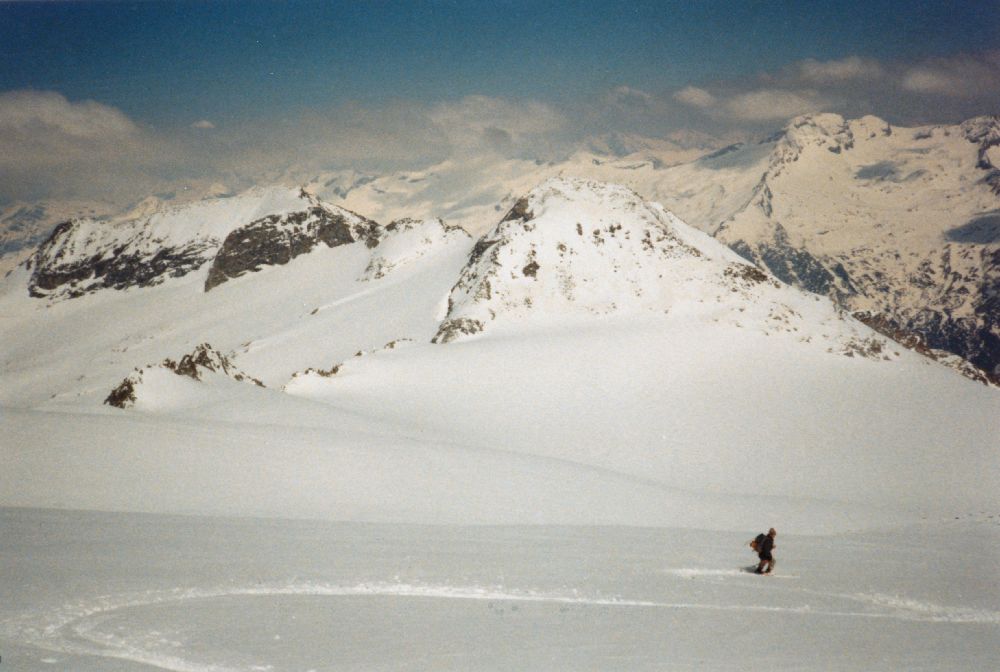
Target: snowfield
[
  {"x": 98, "y": 591},
  {"x": 542, "y": 450}
]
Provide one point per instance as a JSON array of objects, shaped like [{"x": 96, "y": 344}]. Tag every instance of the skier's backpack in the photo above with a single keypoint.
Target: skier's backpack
[{"x": 758, "y": 542}]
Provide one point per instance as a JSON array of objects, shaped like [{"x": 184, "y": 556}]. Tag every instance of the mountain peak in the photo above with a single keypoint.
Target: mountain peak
[
  {"x": 982, "y": 128},
  {"x": 579, "y": 248},
  {"x": 818, "y": 130}
]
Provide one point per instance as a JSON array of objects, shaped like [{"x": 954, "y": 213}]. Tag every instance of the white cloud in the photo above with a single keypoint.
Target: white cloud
[
  {"x": 629, "y": 97},
  {"x": 478, "y": 121},
  {"x": 204, "y": 123},
  {"x": 924, "y": 80},
  {"x": 31, "y": 112},
  {"x": 53, "y": 147},
  {"x": 692, "y": 95},
  {"x": 831, "y": 72},
  {"x": 959, "y": 77},
  {"x": 771, "y": 104}
]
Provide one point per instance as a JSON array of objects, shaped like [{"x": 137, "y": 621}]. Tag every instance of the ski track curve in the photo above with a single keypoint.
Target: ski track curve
[{"x": 71, "y": 628}]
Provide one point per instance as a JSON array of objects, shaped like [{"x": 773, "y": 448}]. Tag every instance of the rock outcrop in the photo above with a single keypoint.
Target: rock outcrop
[
  {"x": 202, "y": 361},
  {"x": 277, "y": 239},
  {"x": 898, "y": 226}
]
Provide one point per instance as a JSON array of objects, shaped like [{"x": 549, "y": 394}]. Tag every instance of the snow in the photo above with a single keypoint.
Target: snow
[
  {"x": 568, "y": 489},
  {"x": 674, "y": 412},
  {"x": 100, "y": 591}
]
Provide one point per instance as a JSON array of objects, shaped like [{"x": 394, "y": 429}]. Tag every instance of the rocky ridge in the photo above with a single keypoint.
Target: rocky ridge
[
  {"x": 231, "y": 235},
  {"x": 203, "y": 360},
  {"x": 575, "y": 248},
  {"x": 277, "y": 239},
  {"x": 899, "y": 226},
  {"x": 146, "y": 246}
]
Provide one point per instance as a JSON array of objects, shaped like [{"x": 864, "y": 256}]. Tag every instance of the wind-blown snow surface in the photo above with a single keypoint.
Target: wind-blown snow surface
[
  {"x": 717, "y": 400},
  {"x": 88, "y": 591}
]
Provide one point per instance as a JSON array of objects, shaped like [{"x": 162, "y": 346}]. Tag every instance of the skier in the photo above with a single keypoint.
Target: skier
[{"x": 764, "y": 547}]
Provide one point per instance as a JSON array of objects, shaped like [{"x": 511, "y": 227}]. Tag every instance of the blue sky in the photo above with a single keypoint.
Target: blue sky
[
  {"x": 180, "y": 90},
  {"x": 168, "y": 61}
]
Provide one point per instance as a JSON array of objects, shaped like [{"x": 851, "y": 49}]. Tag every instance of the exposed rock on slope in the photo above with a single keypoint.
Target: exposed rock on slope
[
  {"x": 203, "y": 360},
  {"x": 406, "y": 240},
  {"x": 154, "y": 243},
  {"x": 277, "y": 239},
  {"x": 301, "y": 380},
  {"x": 75, "y": 260},
  {"x": 575, "y": 248},
  {"x": 898, "y": 225}
]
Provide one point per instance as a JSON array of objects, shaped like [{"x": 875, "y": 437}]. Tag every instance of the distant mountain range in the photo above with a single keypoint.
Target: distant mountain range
[{"x": 898, "y": 226}]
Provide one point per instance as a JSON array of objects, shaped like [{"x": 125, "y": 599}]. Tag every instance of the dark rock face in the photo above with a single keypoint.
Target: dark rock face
[
  {"x": 277, "y": 239},
  {"x": 59, "y": 265},
  {"x": 934, "y": 335},
  {"x": 961, "y": 314},
  {"x": 792, "y": 265},
  {"x": 122, "y": 396},
  {"x": 453, "y": 328},
  {"x": 519, "y": 211}
]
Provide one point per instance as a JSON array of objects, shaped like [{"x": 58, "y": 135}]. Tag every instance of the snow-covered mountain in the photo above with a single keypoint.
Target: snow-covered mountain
[
  {"x": 23, "y": 226},
  {"x": 236, "y": 234},
  {"x": 650, "y": 372},
  {"x": 899, "y": 225},
  {"x": 575, "y": 247},
  {"x": 896, "y": 224}
]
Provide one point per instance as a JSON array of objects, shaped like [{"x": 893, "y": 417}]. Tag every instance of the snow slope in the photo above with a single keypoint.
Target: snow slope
[
  {"x": 711, "y": 397},
  {"x": 87, "y": 591},
  {"x": 665, "y": 410}
]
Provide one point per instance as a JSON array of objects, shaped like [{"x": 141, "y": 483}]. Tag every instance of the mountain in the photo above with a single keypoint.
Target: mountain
[
  {"x": 152, "y": 243},
  {"x": 575, "y": 247},
  {"x": 592, "y": 359},
  {"x": 896, "y": 224},
  {"x": 23, "y": 226}
]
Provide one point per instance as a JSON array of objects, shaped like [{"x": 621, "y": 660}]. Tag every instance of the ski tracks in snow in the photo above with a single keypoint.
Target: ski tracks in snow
[
  {"x": 881, "y": 605},
  {"x": 75, "y": 627}
]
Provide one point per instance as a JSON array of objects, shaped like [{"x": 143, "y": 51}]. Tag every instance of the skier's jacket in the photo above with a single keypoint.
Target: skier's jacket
[{"x": 765, "y": 546}]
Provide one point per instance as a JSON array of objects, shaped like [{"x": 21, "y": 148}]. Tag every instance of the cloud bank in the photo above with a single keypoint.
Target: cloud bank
[{"x": 54, "y": 147}]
